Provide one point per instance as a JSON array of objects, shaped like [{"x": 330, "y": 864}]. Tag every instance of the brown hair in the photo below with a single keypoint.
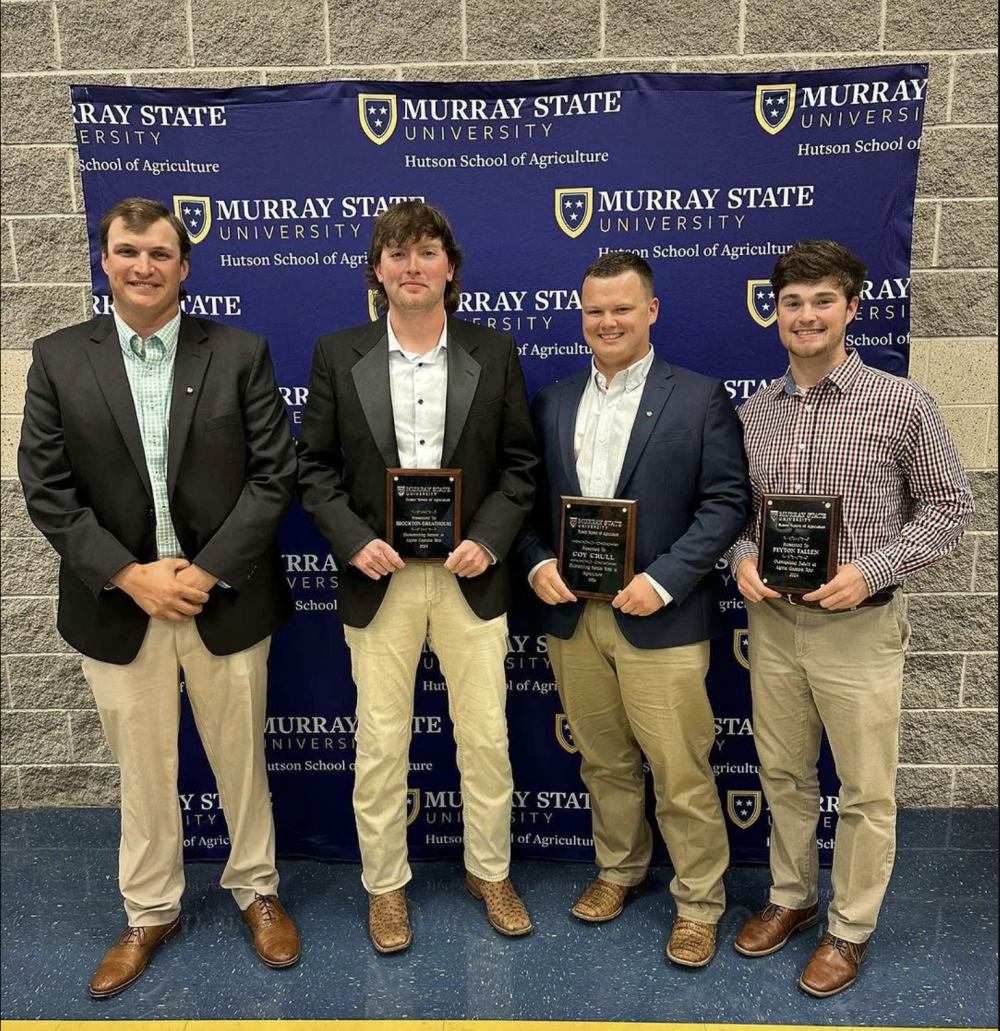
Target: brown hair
[
  {"x": 138, "y": 214},
  {"x": 617, "y": 263},
  {"x": 405, "y": 223},
  {"x": 811, "y": 261}
]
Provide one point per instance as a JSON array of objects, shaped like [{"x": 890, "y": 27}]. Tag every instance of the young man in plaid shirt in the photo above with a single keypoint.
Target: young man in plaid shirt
[{"x": 833, "y": 659}]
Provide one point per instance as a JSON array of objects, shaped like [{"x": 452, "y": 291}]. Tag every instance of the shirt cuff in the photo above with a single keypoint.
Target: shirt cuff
[
  {"x": 665, "y": 596},
  {"x": 738, "y": 552},
  {"x": 535, "y": 568},
  {"x": 877, "y": 572}
]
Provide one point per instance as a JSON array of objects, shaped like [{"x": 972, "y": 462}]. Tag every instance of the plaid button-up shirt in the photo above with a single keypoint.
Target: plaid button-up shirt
[
  {"x": 149, "y": 365},
  {"x": 876, "y": 440}
]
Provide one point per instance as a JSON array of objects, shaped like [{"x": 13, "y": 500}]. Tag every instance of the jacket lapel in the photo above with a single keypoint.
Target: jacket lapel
[
  {"x": 190, "y": 366},
  {"x": 371, "y": 380},
  {"x": 105, "y": 355},
  {"x": 655, "y": 394},
  {"x": 569, "y": 403},
  {"x": 463, "y": 379}
]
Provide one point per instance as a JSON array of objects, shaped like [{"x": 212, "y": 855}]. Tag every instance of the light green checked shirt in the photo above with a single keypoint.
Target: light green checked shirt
[{"x": 149, "y": 365}]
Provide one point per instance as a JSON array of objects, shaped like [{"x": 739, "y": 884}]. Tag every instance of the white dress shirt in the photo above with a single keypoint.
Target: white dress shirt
[{"x": 418, "y": 384}]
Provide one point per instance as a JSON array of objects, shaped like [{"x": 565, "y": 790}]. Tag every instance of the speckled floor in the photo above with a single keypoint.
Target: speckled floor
[{"x": 933, "y": 962}]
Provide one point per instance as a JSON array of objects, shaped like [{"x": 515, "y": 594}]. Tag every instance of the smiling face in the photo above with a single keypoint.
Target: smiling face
[
  {"x": 415, "y": 275},
  {"x": 812, "y": 322},
  {"x": 617, "y": 314},
  {"x": 145, "y": 271}
]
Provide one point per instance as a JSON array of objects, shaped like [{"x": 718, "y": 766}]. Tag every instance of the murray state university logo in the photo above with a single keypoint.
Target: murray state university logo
[
  {"x": 412, "y": 804},
  {"x": 774, "y": 107},
  {"x": 196, "y": 214},
  {"x": 741, "y": 647},
  {"x": 563, "y": 733},
  {"x": 744, "y": 807},
  {"x": 574, "y": 209},
  {"x": 760, "y": 302},
  {"x": 377, "y": 112}
]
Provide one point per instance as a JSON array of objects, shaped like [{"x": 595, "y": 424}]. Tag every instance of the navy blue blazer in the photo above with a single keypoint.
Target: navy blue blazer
[{"x": 686, "y": 468}]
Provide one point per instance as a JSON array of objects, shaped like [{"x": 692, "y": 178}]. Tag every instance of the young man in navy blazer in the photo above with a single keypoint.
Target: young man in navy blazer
[{"x": 631, "y": 672}]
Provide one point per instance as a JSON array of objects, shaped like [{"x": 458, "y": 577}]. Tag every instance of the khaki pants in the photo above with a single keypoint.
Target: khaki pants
[
  {"x": 620, "y": 699},
  {"x": 811, "y": 669},
  {"x": 424, "y": 601},
  {"x": 140, "y": 706}
]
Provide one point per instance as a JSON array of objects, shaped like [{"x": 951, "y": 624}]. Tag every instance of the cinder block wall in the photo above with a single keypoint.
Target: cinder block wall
[{"x": 53, "y": 752}]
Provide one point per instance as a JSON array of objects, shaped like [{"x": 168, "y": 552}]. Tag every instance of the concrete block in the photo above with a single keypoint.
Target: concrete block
[
  {"x": 44, "y": 786},
  {"x": 603, "y": 66},
  {"x": 969, "y": 428},
  {"x": 948, "y": 303},
  {"x": 953, "y": 623},
  {"x": 748, "y": 65},
  {"x": 924, "y": 227},
  {"x": 378, "y": 32},
  {"x": 932, "y": 681},
  {"x": 963, "y": 371},
  {"x": 29, "y": 567},
  {"x": 13, "y": 512},
  {"x": 984, "y": 492},
  {"x": 8, "y": 272},
  {"x": 35, "y": 180},
  {"x": 52, "y": 249},
  {"x": 957, "y": 737},
  {"x": 30, "y": 312},
  {"x": 10, "y": 788},
  {"x": 87, "y": 739},
  {"x": 29, "y": 37},
  {"x": 34, "y": 737},
  {"x": 974, "y": 96},
  {"x": 525, "y": 30},
  {"x": 924, "y": 787},
  {"x": 953, "y": 574},
  {"x": 235, "y": 32},
  {"x": 29, "y": 627},
  {"x": 920, "y": 352},
  {"x": 975, "y": 787},
  {"x": 198, "y": 78},
  {"x": 990, "y": 457},
  {"x": 958, "y": 162},
  {"x": 962, "y": 25},
  {"x": 471, "y": 71},
  {"x": 10, "y": 429},
  {"x": 772, "y": 27},
  {"x": 332, "y": 73},
  {"x": 48, "y": 682},
  {"x": 986, "y": 563},
  {"x": 114, "y": 34},
  {"x": 37, "y": 108},
  {"x": 968, "y": 234},
  {"x": 684, "y": 27},
  {"x": 979, "y": 687},
  {"x": 14, "y": 366}
]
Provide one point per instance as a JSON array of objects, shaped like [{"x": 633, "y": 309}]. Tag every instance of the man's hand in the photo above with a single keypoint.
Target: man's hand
[
  {"x": 156, "y": 588},
  {"x": 638, "y": 598},
  {"x": 376, "y": 559},
  {"x": 550, "y": 586},
  {"x": 468, "y": 559},
  {"x": 195, "y": 576},
  {"x": 749, "y": 583},
  {"x": 845, "y": 591}
]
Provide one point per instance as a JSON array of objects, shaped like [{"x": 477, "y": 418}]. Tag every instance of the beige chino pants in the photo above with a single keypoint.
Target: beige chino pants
[
  {"x": 424, "y": 601},
  {"x": 620, "y": 699},
  {"x": 140, "y": 707},
  {"x": 843, "y": 671}
]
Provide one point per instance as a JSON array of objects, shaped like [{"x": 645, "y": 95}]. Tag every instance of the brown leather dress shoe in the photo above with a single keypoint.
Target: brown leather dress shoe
[
  {"x": 692, "y": 943},
  {"x": 275, "y": 938},
  {"x": 124, "y": 962},
  {"x": 769, "y": 930},
  {"x": 504, "y": 908},
  {"x": 388, "y": 922},
  {"x": 601, "y": 901},
  {"x": 833, "y": 966}
]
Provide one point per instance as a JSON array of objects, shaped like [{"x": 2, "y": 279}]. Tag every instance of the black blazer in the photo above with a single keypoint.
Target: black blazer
[
  {"x": 685, "y": 466},
  {"x": 230, "y": 477},
  {"x": 348, "y": 440}
]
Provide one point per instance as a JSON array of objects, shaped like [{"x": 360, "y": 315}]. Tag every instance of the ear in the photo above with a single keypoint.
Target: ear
[
  {"x": 104, "y": 261},
  {"x": 377, "y": 269},
  {"x": 185, "y": 268},
  {"x": 654, "y": 309},
  {"x": 451, "y": 272},
  {"x": 852, "y": 308}
]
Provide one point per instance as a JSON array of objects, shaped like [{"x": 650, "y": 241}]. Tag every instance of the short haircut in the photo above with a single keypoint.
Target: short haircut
[
  {"x": 406, "y": 223},
  {"x": 812, "y": 261},
  {"x": 138, "y": 214},
  {"x": 617, "y": 263}
]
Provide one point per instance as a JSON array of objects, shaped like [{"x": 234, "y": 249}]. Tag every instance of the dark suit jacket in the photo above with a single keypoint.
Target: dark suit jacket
[
  {"x": 685, "y": 466},
  {"x": 230, "y": 476},
  {"x": 348, "y": 440}
]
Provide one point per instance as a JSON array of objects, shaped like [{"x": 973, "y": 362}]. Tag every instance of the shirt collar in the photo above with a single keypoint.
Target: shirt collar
[
  {"x": 429, "y": 358},
  {"x": 129, "y": 339},
  {"x": 632, "y": 377},
  {"x": 842, "y": 377}
]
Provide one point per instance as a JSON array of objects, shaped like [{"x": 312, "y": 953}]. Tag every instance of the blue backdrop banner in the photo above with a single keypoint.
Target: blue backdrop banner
[{"x": 710, "y": 177}]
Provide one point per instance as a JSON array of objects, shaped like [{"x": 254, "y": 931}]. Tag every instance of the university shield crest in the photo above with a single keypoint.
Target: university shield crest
[
  {"x": 196, "y": 214},
  {"x": 564, "y": 735},
  {"x": 741, "y": 647},
  {"x": 744, "y": 807},
  {"x": 412, "y": 804},
  {"x": 574, "y": 209},
  {"x": 377, "y": 112},
  {"x": 774, "y": 107},
  {"x": 760, "y": 302}
]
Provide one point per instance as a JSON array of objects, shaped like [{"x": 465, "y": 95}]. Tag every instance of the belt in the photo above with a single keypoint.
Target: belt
[{"x": 875, "y": 600}]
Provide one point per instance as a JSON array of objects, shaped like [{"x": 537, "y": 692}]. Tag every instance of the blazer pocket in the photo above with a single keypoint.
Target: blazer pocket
[
  {"x": 669, "y": 435},
  {"x": 219, "y": 422},
  {"x": 485, "y": 408}
]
